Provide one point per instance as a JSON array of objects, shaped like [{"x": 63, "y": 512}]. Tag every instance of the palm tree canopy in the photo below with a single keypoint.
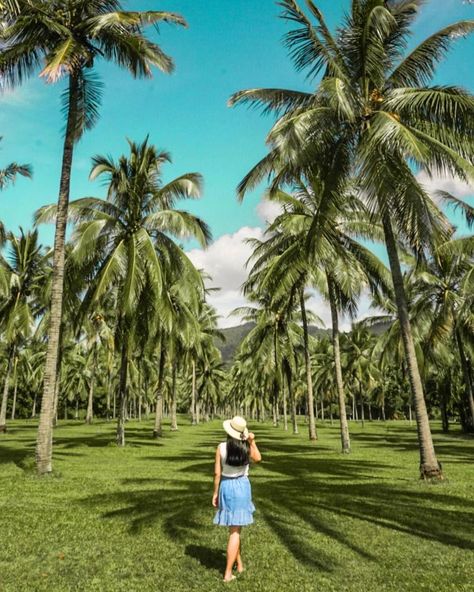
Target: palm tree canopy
[
  {"x": 125, "y": 240},
  {"x": 23, "y": 275},
  {"x": 66, "y": 37},
  {"x": 372, "y": 101}
]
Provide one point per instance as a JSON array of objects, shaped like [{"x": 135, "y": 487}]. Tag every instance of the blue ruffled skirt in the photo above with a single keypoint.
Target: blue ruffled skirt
[{"x": 235, "y": 502}]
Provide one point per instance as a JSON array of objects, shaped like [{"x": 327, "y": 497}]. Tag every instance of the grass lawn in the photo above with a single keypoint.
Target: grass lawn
[{"x": 140, "y": 518}]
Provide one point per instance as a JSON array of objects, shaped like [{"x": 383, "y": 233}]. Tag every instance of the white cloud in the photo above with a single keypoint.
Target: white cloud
[
  {"x": 443, "y": 183},
  {"x": 225, "y": 262},
  {"x": 268, "y": 210}
]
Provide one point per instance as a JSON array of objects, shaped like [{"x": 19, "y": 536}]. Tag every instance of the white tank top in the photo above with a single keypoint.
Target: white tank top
[{"x": 228, "y": 470}]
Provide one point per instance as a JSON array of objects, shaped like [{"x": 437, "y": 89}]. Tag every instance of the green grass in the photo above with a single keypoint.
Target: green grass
[{"x": 140, "y": 519}]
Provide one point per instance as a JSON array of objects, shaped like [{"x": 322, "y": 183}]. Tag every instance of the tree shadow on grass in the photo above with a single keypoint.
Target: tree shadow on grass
[
  {"x": 425, "y": 514},
  {"x": 302, "y": 497},
  {"x": 453, "y": 449},
  {"x": 179, "y": 509},
  {"x": 10, "y": 454},
  {"x": 106, "y": 438},
  {"x": 209, "y": 558}
]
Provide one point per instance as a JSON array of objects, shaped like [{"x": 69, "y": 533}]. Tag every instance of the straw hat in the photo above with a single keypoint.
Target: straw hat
[{"x": 236, "y": 427}]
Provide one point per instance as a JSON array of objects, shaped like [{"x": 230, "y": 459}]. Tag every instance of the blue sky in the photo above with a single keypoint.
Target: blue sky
[{"x": 229, "y": 45}]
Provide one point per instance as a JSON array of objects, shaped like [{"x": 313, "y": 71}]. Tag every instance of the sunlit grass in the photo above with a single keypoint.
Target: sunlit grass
[{"x": 139, "y": 519}]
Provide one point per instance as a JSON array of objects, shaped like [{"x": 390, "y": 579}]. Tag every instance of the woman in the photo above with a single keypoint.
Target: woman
[{"x": 232, "y": 493}]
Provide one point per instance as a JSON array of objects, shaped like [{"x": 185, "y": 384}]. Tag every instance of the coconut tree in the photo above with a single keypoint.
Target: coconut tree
[
  {"x": 360, "y": 362},
  {"x": 266, "y": 277},
  {"x": 273, "y": 339},
  {"x": 77, "y": 375},
  {"x": 63, "y": 39},
  {"x": 335, "y": 263},
  {"x": 197, "y": 344},
  {"x": 374, "y": 98},
  {"x": 98, "y": 336},
  {"x": 210, "y": 377},
  {"x": 126, "y": 241},
  {"x": 8, "y": 176},
  {"x": 444, "y": 287},
  {"x": 183, "y": 295},
  {"x": 23, "y": 271}
]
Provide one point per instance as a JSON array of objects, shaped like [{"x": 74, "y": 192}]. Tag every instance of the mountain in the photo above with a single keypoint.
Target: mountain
[
  {"x": 235, "y": 335},
  {"x": 233, "y": 338}
]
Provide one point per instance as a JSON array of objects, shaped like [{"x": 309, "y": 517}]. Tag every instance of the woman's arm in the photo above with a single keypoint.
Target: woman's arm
[
  {"x": 217, "y": 478},
  {"x": 254, "y": 451}
]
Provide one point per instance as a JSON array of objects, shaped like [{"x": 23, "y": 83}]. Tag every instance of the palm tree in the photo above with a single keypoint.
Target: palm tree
[
  {"x": 375, "y": 101},
  {"x": 98, "y": 334},
  {"x": 361, "y": 364},
  {"x": 335, "y": 264},
  {"x": 199, "y": 341},
  {"x": 444, "y": 287},
  {"x": 8, "y": 175},
  {"x": 210, "y": 377},
  {"x": 66, "y": 38},
  {"x": 183, "y": 295},
  {"x": 270, "y": 345},
  {"x": 23, "y": 270},
  {"x": 125, "y": 243}
]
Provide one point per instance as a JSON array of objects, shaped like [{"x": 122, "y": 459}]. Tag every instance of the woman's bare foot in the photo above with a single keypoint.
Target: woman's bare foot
[
  {"x": 228, "y": 578},
  {"x": 240, "y": 567}
]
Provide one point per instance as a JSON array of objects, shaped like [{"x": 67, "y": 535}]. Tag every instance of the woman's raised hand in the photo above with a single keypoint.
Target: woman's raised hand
[{"x": 251, "y": 437}]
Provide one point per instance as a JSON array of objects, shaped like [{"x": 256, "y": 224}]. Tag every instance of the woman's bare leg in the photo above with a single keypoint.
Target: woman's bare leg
[
  {"x": 233, "y": 547},
  {"x": 240, "y": 565}
]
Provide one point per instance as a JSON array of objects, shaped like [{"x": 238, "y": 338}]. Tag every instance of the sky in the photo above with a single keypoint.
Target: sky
[{"x": 229, "y": 45}]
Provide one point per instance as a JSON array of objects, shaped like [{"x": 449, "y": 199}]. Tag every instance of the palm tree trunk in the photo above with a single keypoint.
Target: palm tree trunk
[
  {"x": 15, "y": 387},
  {"x": 6, "y": 387},
  {"x": 90, "y": 410},
  {"x": 44, "y": 442},
  {"x": 291, "y": 393},
  {"x": 276, "y": 381},
  {"x": 33, "y": 410},
  {"x": 275, "y": 404},
  {"x": 309, "y": 379},
  {"x": 56, "y": 400},
  {"x": 362, "y": 413},
  {"x": 285, "y": 410},
  {"x": 158, "y": 429},
  {"x": 90, "y": 402},
  {"x": 198, "y": 412},
  {"x": 345, "y": 439},
  {"x": 444, "y": 398},
  {"x": 193, "y": 393},
  {"x": 429, "y": 465},
  {"x": 468, "y": 387},
  {"x": 174, "y": 419},
  {"x": 107, "y": 400},
  {"x": 122, "y": 393},
  {"x": 140, "y": 394},
  {"x": 108, "y": 387}
]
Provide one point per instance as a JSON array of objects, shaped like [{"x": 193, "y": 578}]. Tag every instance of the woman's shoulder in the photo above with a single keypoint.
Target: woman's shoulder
[{"x": 222, "y": 447}]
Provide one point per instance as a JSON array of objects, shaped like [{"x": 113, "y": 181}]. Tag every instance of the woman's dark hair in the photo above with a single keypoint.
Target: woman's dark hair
[{"x": 237, "y": 452}]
